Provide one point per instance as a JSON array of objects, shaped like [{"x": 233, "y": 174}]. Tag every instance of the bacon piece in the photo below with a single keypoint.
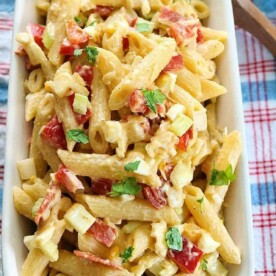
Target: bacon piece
[
  {"x": 188, "y": 258},
  {"x": 155, "y": 196},
  {"x": 53, "y": 134},
  {"x": 68, "y": 179},
  {"x": 86, "y": 72},
  {"x": 176, "y": 63},
  {"x": 125, "y": 43},
  {"x": 75, "y": 34},
  {"x": 137, "y": 102},
  {"x": 184, "y": 139},
  {"x": 80, "y": 118},
  {"x": 169, "y": 15},
  {"x": 102, "y": 232},
  {"x": 22, "y": 53},
  {"x": 52, "y": 198},
  {"x": 93, "y": 258},
  {"x": 180, "y": 33},
  {"x": 103, "y": 11},
  {"x": 101, "y": 186},
  {"x": 37, "y": 32}
]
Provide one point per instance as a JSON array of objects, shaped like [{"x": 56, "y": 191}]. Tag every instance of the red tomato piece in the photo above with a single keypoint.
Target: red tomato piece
[
  {"x": 53, "y": 134},
  {"x": 125, "y": 43},
  {"x": 67, "y": 48},
  {"x": 52, "y": 197},
  {"x": 102, "y": 232},
  {"x": 22, "y": 53},
  {"x": 68, "y": 179},
  {"x": 86, "y": 72},
  {"x": 176, "y": 63},
  {"x": 75, "y": 33},
  {"x": 80, "y": 118},
  {"x": 184, "y": 139},
  {"x": 155, "y": 196},
  {"x": 103, "y": 11},
  {"x": 199, "y": 38},
  {"x": 101, "y": 186},
  {"x": 137, "y": 102},
  {"x": 188, "y": 258},
  {"x": 132, "y": 22},
  {"x": 180, "y": 32},
  {"x": 93, "y": 258},
  {"x": 169, "y": 15},
  {"x": 37, "y": 32}
]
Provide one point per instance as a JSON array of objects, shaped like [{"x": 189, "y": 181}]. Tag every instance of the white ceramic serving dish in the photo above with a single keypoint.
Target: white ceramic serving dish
[{"x": 230, "y": 114}]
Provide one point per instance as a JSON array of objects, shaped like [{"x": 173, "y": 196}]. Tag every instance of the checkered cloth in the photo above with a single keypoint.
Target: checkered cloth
[{"x": 258, "y": 81}]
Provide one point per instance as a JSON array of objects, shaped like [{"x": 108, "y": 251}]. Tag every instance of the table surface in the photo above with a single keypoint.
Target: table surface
[{"x": 258, "y": 82}]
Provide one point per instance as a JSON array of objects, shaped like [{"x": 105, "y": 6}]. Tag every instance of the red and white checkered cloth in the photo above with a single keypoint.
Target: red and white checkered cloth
[{"x": 258, "y": 81}]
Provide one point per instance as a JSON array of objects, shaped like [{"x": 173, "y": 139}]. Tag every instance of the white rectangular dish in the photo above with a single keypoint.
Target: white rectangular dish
[{"x": 230, "y": 114}]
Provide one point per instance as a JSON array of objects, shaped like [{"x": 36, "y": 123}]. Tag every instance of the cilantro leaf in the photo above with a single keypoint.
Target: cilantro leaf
[
  {"x": 126, "y": 254},
  {"x": 78, "y": 20},
  {"x": 153, "y": 97},
  {"x": 92, "y": 53},
  {"x": 220, "y": 178},
  {"x": 77, "y": 135},
  {"x": 204, "y": 265},
  {"x": 132, "y": 166},
  {"x": 78, "y": 52},
  {"x": 200, "y": 201},
  {"x": 174, "y": 239},
  {"x": 128, "y": 186}
]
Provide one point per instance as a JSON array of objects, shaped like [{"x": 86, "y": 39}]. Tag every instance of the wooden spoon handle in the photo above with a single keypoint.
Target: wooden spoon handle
[{"x": 250, "y": 18}]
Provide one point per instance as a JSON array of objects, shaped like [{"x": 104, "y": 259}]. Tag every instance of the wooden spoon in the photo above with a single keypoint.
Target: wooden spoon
[{"x": 250, "y": 18}]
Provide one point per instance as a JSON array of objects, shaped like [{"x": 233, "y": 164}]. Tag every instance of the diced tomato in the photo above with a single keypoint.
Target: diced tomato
[
  {"x": 155, "y": 196},
  {"x": 86, "y": 72},
  {"x": 102, "y": 232},
  {"x": 137, "y": 102},
  {"x": 184, "y": 139},
  {"x": 103, "y": 11},
  {"x": 176, "y": 63},
  {"x": 169, "y": 15},
  {"x": 22, "y": 53},
  {"x": 75, "y": 33},
  {"x": 188, "y": 258},
  {"x": 101, "y": 186},
  {"x": 93, "y": 258},
  {"x": 132, "y": 22},
  {"x": 180, "y": 32},
  {"x": 52, "y": 197},
  {"x": 199, "y": 38},
  {"x": 125, "y": 43},
  {"x": 37, "y": 32},
  {"x": 66, "y": 48},
  {"x": 80, "y": 118},
  {"x": 53, "y": 134},
  {"x": 68, "y": 179}
]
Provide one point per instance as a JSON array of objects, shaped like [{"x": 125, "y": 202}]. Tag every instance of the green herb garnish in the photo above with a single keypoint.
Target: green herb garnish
[
  {"x": 78, "y": 20},
  {"x": 220, "y": 178},
  {"x": 204, "y": 265},
  {"x": 92, "y": 53},
  {"x": 127, "y": 186},
  {"x": 125, "y": 255},
  {"x": 77, "y": 135},
  {"x": 132, "y": 166},
  {"x": 200, "y": 201},
  {"x": 174, "y": 239},
  {"x": 153, "y": 97}
]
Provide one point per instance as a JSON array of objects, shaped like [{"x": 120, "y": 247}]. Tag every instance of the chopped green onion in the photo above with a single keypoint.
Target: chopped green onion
[{"x": 181, "y": 124}]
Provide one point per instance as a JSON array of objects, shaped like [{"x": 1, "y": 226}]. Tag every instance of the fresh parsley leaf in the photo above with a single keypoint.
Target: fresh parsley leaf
[
  {"x": 204, "y": 265},
  {"x": 77, "y": 135},
  {"x": 128, "y": 186},
  {"x": 78, "y": 20},
  {"x": 200, "y": 201},
  {"x": 92, "y": 53},
  {"x": 153, "y": 97},
  {"x": 125, "y": 255},
  {"x": 174, "y": 239},
  {"x": 220, "y": 178},
  {"x": 78, "y": 52},
  {"x": 132, "y": 166}
]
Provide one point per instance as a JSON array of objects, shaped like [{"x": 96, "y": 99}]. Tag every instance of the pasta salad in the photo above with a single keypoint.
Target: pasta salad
[{"x": 128, "y": 170}]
